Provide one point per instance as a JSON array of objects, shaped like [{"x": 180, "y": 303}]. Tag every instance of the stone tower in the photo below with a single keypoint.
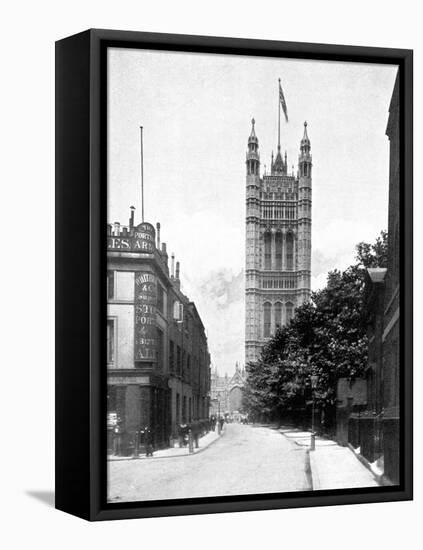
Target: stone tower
[{"x": 278, "y": 242}]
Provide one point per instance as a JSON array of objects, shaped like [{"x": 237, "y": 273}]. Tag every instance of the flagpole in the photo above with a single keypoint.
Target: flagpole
[
  {"x": 142, "y": 176},
  {"x": 279, "y": 116}
]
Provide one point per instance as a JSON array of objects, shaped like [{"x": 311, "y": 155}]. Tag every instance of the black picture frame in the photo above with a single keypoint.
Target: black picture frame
[{"x": 81, "y": 263}]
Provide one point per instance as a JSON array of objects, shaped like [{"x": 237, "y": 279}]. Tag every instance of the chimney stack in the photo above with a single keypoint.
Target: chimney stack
[
  {"x": 158, "y": 235},
  {"x": 172, "y": 266},
  {"x": 177, "y": 270},
  {"x": 131, "y": 219},
  {"x": 164, "y": 256}
]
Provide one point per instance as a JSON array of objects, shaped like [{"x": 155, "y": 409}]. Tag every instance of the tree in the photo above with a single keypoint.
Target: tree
[{"x": 327, "y": 337}]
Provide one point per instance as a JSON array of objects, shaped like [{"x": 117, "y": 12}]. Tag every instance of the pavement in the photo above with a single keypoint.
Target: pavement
[
  {"x": 332, "y": 466},
  {"x": 247, "y": 459},
  {"x": 203, "y": 443},
  {"x": 244, "y": 459}
]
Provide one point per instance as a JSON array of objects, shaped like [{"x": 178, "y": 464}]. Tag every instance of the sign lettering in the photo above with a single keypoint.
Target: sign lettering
[{"x": 145, "y": 316}]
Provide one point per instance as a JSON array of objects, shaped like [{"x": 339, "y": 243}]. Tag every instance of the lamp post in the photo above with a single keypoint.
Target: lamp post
[{"x": 314, "y": 378}]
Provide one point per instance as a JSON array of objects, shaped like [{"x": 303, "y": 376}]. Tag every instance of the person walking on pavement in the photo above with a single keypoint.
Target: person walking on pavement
[{"x": 148, "y": 441}]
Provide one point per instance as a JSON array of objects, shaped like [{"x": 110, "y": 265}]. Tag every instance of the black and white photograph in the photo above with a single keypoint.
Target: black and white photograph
[{"x": 252, "y": 275}]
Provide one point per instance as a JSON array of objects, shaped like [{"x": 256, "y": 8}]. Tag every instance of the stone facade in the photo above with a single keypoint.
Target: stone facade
[
  {"x": 278, "y": 242},
  {"x": 226, "y": 393},
  {"x": 158, "y": 363}
]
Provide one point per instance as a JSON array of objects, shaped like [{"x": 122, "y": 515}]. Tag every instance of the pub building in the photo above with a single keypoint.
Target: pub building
[{"x": 158, "y": 363}]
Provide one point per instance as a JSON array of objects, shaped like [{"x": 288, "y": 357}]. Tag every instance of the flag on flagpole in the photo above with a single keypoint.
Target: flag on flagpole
[{"x": 283, "y": 102}]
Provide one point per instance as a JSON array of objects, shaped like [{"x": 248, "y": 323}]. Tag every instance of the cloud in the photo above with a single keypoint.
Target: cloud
[{"x": 220, "y": 302}]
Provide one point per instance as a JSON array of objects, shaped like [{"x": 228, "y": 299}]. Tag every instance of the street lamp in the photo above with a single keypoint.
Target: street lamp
[{"x": 314, "y": 378}]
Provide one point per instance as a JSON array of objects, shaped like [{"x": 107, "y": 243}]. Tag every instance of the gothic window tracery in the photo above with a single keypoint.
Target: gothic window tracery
[
  {"x": 278, "y": 315},
  {"x": 278, "y": 251},
  {"x": 289, "y": 309},
  {"x": 267, "y": 250},
  {"x": 267, "y": 309},
  {"x": 290, "y": 251}
]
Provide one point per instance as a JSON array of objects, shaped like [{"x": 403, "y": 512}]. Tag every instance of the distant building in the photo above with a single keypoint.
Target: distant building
[
  {"x": 226, "y": 393},
  {"x": 278, "y": 241},
  {"x": 158, "y": 363}
]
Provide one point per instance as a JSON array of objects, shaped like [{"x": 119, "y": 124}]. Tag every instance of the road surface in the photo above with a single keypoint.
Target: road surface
[{"x": 245, "y": 460}]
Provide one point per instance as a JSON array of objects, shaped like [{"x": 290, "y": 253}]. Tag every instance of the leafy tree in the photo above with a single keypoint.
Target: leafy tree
[{"x": 327, "y": 337}]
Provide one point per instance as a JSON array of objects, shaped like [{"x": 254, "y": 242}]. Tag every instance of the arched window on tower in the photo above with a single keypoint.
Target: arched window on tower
[
  {"x": 267, "y": 250},
  {"x": 289, "y": 309},
  {"x": 278, "y": 246},
  {"x": 278, "y": 315},
  {"x": 266, "y": 319},
  {"x": 290, "y": 252}
]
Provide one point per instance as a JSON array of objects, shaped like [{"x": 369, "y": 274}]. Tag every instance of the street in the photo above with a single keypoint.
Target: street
[{"x": 245, "y": 460}]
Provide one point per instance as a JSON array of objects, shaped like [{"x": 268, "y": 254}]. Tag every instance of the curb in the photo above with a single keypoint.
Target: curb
[
  {"x": 380, "y": 478},
  {"x": 308, "y": 470},
  {"x": 179, "y": 455}
]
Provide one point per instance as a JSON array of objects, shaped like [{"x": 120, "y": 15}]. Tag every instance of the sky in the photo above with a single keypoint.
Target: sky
[{"x": 196, "y": 111}]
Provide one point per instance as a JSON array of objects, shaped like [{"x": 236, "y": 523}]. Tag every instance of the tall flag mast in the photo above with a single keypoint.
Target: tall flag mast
[
  {"x": 142, "y": 176},
  {"x": 285, "y": 112}
]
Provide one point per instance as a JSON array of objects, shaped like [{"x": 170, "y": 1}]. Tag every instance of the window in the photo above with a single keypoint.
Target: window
[
  {"x": 266, "y": 319},
  {"x": 184, "y": 409},
  {"x": 111, "y": 399},
  {"x": 110, "y": 285},
  {"x": 289, "y": 311},
  {"x": 278, "y": 315},
  {"x": 267, "y": 251},
  {"x": 178, "y": 408},
  {"x": 290, "y": 252},
  {"x": 124, "y": 286},
  {"x": 110, "y": 341},
  {"x": 278, "y": 243}
]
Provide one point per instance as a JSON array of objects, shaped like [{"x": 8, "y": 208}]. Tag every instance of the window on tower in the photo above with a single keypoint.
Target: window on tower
[
  {"x": 290, "y": 251},
  {"x": 289, "y": 308},
  {"x": 278, "y": 255},
  {"x": 278, "y": 315},
  {"x": 266, "y": 319},
  {"x": 267, "y": 251}
]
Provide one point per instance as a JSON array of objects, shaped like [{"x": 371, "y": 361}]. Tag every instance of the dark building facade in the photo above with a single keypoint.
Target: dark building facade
[
  {"x": 377, "y": 431},
  {"x": 391, "y": 336},
  {"x": 158, "y": 364}
]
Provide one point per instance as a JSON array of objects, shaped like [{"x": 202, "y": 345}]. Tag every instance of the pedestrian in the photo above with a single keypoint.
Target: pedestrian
[
  {"x": 117, "y": 439},
  {"x": 221, "y": 422},
  {"x": 195, "y": 429},
  {"x": 148, "y": 435}
]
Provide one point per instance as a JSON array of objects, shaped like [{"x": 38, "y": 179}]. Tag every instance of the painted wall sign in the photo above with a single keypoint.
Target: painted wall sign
[
  {"x": 142, "y": 241},
  {"x": 145, "y": 333}
]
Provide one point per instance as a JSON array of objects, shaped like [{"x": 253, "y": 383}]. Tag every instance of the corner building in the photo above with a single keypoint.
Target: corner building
[
  {"x": 278, "y": 242},
  {"x": 158, "y": 363}
]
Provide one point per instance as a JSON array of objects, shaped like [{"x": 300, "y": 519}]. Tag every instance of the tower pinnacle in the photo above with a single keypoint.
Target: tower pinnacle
[
  {"x": 305, "y": 142},
  {"x": 253, "y": 157}
]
